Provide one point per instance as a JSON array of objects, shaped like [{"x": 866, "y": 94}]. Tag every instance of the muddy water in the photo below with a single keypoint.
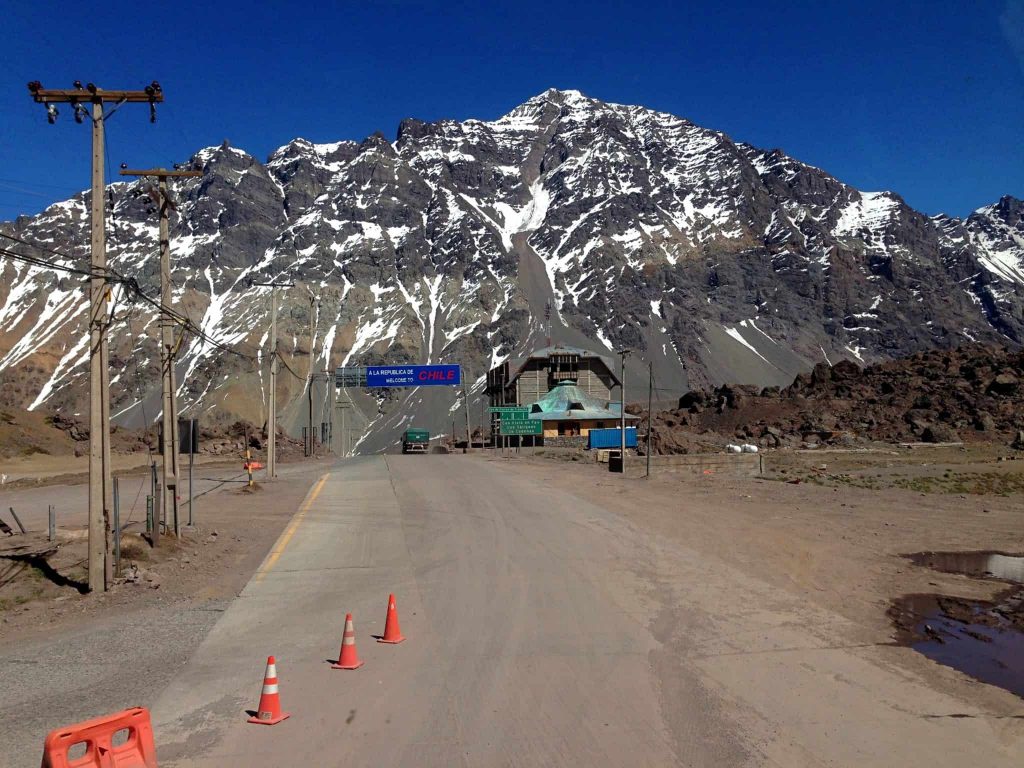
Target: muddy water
[
  {"x": 973, "y": 637},
  {"x": 981, "y": 639}
]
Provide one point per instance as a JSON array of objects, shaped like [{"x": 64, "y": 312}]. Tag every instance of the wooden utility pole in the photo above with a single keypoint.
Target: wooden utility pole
[
  {"x": 650, "y": 411},
  {"x": 272, "y": 406},
  {"x": 313, "y": 301},
  {"x": 469, "y": 429},
  {"x": 100, "y": 482},
  {"x": 168, "y": 346},
  {"x": 344, "y": 435}
]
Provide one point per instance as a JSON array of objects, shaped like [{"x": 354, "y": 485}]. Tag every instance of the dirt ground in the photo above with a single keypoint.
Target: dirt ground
[
  {"x": 837, "y": 536},
  {"x": 212, "y": 561},
  {"x": 832, "y": 543}
]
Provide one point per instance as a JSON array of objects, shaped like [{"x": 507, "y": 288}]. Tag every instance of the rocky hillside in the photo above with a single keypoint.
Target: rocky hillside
[
  {"x": 972, "y": 393},
  {"x": 594, "y": 224}
]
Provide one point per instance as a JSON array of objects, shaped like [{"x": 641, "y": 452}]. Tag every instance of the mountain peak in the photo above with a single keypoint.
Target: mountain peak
[
  {"x": 561, "y": 96},
  {"x": 601, "y": 225}
]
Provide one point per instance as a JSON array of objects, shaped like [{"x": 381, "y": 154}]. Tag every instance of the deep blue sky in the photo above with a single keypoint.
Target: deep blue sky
[{"x": 926, "y": 99}]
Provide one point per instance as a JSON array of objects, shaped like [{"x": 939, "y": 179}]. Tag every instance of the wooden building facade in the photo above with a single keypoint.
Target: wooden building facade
[{"x": 528, "y": 380}]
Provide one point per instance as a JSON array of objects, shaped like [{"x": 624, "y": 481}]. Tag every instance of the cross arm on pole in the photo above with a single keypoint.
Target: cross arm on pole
[{"x": 73, "y": 95}]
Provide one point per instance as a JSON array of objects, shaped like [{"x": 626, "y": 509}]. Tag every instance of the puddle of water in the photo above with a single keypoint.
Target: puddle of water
[
  {"x": 982, "y": 639},
  {"x": 986, "y": 646},
  {"x": 996, "y": 565}
]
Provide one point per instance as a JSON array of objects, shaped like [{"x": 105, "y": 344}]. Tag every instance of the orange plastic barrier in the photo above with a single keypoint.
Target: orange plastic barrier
[{"x": 138, "y": 751}]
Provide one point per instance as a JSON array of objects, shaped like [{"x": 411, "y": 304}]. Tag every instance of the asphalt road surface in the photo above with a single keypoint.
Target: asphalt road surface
[
  {"x": 541, "y": 630},
  {"x": 516, "y": 652}
]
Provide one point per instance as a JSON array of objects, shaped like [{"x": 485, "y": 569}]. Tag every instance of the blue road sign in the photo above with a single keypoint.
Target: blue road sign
[{"x": 413, "y": 375}]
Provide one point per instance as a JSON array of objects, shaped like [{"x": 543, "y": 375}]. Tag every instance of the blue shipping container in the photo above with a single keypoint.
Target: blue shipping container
[{"x": 609, "y": 438}]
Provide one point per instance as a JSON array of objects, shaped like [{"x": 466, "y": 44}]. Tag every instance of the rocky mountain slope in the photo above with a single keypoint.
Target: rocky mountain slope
[
  {"x": 972, "y": 393},
  {"x": 591, "y": 223}
]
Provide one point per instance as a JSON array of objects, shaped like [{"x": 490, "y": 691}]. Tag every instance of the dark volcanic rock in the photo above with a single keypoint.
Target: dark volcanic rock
[{"x": 927, "y": 397}]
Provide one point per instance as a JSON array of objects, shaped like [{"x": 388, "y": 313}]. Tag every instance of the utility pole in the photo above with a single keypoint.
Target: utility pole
[
  {"x": 650, "y": 411},
  {"x": 622, "y": 408},
  {"x": 313, "y": 300},
  {"x": 469, "y": 431},
  {"x": 168, "y": 346},
  {"x": 344, "y": 434},
  {"x": 100, "y": 481},
  {"x": 272, "y": 408}
]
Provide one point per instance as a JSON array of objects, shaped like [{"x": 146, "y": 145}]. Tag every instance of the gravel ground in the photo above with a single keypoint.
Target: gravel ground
[{"x": 76, "y": 657}]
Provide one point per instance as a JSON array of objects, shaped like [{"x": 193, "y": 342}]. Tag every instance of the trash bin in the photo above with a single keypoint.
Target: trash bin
[{"x": 615, "y": 461}]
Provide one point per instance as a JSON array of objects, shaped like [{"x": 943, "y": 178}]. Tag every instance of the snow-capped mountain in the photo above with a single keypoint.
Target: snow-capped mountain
[{"x": 595, "y": 224}]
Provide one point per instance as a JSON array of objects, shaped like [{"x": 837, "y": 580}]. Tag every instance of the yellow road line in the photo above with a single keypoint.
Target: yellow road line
[{"x": 293, "y": 526}]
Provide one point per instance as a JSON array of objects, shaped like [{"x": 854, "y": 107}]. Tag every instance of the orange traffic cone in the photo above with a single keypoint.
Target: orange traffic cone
[
  {"x": 269, "y": 712},
  {"x": 392, "y": 632},
  {"x": 348, "y": 658}
]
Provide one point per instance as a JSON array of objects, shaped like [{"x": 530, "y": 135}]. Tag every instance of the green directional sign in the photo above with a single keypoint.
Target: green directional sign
[
  {"x": 521, "y": 427},
  {"x": 511, "y": 411}
]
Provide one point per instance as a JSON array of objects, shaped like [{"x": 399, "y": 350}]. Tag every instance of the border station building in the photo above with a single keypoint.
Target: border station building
[{"x": 568, "y": 388}]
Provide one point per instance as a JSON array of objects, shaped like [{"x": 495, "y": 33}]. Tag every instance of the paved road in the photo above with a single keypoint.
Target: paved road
[
  {"x": 542, "y": 630},
  {"x": 517, "y": 650}
]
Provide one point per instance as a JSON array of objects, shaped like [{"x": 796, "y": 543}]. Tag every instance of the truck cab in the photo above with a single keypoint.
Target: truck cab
[{"x": 415, "y": 441}]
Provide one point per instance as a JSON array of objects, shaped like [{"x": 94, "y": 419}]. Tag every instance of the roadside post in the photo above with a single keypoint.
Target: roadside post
[
  {"x": 17, "y": 519},
  {"x": 469, "y": 428},
  {"x": 158, "y": 514},
  {"x": 191, "y": 483},
  {"x": 188, "y": 434},
  {"x": 117, "y": 527},
  {"x": 51, "y": 515},
  {"x": 154, "y": 531}
]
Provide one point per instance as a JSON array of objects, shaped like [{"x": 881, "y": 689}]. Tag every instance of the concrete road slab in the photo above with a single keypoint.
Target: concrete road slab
[{"x": 542, "y": 629}]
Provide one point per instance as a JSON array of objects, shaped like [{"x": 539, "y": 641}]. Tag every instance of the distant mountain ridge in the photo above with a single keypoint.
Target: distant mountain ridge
[{"x": 595, "y": 224}]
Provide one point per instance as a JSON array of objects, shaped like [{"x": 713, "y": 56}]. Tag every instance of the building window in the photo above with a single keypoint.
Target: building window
[{"x": 563, "y": 368}]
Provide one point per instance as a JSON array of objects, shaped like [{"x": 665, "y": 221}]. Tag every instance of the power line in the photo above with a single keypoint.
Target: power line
[
  {"x": 18, "y": 191},
  {"x": 280, "y": 357},
  {"x": 44, "y": 264},
  {"x": 63, "y": 188},
  {"x": 132, "y": 285},
  {"x": 37, "y": 246}
]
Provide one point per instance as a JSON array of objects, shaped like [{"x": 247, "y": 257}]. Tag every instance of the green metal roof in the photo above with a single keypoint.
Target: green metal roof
[{"x": 567, "y": 402}]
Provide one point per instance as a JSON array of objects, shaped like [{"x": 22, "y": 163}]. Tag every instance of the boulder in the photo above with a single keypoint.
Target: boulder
[
  {"x": 984, "y": 422},
  {"x": 939, "y": 433},
  {"x": 693, "y": 401},
  {"x": 1006, "y": 383},
  {"x": 845, "y": 369}
]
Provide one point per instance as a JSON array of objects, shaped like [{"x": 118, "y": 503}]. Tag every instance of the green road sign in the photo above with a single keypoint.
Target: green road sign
[
  {"x": 521, "y": 427},
  {"x": 511, "y": 411}
]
